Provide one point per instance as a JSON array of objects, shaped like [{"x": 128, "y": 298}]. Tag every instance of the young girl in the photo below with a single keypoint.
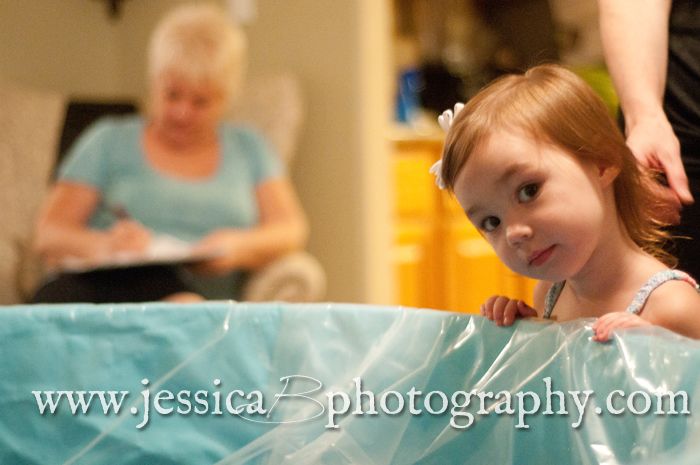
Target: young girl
[{"x": 540, "y": 168}]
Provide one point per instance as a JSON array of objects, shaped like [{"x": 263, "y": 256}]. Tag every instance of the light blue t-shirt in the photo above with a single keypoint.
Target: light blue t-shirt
[{"x": 110, "y": 157}]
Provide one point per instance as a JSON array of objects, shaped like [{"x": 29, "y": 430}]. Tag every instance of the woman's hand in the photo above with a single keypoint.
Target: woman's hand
[
  {"x": 97, "y": 247},
  {"x": 124, "y": 237},
  {"x": 223, "y": 243},
  {"x": 606, "y": 324},
  {"x": 655, "y": 146},
  {"x": 503, "y": 311},
  {"x": 127, "y": 236}
]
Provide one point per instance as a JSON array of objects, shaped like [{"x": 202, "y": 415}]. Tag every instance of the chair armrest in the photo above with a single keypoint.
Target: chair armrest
[{"x": 297, "y": 277}]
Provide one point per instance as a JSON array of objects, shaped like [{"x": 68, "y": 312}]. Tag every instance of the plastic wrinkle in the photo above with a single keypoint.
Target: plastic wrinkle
[{"x": 219, "y": 347}]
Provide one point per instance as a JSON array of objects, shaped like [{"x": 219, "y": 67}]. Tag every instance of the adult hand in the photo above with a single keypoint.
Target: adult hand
[
  {"x": 654, "y": 144},
  {"x": 503, "y": 311},
  {"x": 670, "y": 206},
  {"x": 127, "y": 236},
  {"x": 221, "y": 242},
  {"x": 606, "y": 324}
]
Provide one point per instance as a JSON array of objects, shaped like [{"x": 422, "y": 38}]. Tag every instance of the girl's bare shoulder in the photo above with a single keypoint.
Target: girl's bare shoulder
[{"x": 676, "y": 306}]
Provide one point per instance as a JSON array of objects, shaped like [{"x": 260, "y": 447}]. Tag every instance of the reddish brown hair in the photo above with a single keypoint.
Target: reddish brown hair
[{"x": 554, "y": 105}]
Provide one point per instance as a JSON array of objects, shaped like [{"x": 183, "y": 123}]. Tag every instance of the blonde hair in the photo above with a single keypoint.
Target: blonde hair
[
  {"x": 201, "y": 43},
  {"x": 553, "y": 105}
]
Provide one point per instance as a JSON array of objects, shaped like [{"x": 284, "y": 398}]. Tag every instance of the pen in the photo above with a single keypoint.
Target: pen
[{"x": 120, "y": 212}]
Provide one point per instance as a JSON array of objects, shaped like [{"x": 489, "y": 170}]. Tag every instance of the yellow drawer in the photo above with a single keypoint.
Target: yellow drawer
[
  {"x": 416, "y": 193},
  {"x": 414, "y": 265},
  {"x": 474, "y": 272}
]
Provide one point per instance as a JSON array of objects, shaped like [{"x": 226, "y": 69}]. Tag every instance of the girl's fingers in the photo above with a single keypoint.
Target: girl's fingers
[
  {"x": 503, "y": 311},
  {"x": 606, "y": 324},
  {"x": 487, "y": 307},
  {"x": 510, "y": 313},
  {"x": 499, "y": 308},
  {"x": 525, "y": 310}
]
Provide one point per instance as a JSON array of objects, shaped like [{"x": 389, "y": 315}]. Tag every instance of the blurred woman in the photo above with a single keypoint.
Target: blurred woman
[{"x": 180, "y": 171}]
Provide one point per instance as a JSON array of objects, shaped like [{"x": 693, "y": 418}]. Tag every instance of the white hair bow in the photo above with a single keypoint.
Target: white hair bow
[{"x": 445, "y": 122}]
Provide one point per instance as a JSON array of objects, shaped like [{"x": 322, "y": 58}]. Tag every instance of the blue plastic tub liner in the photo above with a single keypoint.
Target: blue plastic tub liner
[{"x": 227, "y": 383}]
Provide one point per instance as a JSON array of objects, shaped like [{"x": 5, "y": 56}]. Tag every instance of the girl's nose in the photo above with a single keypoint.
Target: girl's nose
[
  {"x": 517, "y": 233},
  {"x": 182, "y": 110}
]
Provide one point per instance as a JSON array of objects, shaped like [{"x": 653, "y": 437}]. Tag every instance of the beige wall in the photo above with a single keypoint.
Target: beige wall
[
  {"x": 74, "y": 47},
  {"x": 339, "y": 50},
  {"x": 63, "y": 45}
]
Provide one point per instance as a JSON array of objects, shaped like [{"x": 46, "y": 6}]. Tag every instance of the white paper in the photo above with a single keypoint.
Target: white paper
[{"x": 163, "y": 249}]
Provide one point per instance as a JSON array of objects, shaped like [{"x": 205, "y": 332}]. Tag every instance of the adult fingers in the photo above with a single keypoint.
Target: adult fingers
[
  {"x": 669, "y": 211},
  {"x": 672, "y": 166}
]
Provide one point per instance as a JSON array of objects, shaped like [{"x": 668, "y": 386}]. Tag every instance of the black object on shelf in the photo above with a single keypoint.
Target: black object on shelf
[{"x": 81, "y": 114}]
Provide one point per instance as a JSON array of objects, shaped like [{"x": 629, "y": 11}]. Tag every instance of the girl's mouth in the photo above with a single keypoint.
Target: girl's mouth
[{"x": 539, "y": 257}]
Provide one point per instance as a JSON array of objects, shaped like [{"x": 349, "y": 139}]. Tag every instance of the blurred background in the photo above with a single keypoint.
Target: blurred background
[{"x": 374, "y": 74}]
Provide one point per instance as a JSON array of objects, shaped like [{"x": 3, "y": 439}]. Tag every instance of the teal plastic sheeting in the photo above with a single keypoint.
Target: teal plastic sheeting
[{"x": 226, "y": 383}]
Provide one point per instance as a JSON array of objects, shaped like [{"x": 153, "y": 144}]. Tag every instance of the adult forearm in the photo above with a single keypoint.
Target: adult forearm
[
  {"x": 258, "y": 246},
  {"x": 54, "y": 243},
  {"x": 635, "y": 44},
  {"x": 272, "y": 241}
]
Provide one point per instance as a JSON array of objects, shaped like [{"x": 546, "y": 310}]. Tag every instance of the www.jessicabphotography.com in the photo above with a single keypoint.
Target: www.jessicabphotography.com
[{"x": 302, "y": 398}]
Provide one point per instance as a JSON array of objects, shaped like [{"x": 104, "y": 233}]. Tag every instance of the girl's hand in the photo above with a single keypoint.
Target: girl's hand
[
  {"x": 606, "y": 324},
  {"x": 503, "y": 311}
]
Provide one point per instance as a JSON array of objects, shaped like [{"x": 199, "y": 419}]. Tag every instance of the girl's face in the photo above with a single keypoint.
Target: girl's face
[
  {"x": 542, "y": 211},
  {"x": 183, "y": 111}
]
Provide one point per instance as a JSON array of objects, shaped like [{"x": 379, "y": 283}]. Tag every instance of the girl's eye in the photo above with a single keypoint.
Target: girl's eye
[
  {"x": 490, "y": 223},
  {"x": 528, "y": 192},
  {"x": 172, "y": 95},
  {"x": 201, "y": 102}
]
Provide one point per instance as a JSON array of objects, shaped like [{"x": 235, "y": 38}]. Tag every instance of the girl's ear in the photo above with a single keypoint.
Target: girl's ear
[{"x": 607, "y": 174}]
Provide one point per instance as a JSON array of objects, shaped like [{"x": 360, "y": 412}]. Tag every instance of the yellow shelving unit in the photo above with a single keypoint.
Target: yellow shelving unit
[{"x": 440, "y": 260}]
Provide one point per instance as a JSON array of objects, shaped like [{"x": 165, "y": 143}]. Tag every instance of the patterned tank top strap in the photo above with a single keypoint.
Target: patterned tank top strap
[
  {"x": 640, "y": 299},
  {"x": 551, "y": 298}
]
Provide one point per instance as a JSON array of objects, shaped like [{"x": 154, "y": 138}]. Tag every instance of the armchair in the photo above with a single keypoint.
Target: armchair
[
  {"x": 274, "y": 105},
  {"x": 31, "y": 122}
]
